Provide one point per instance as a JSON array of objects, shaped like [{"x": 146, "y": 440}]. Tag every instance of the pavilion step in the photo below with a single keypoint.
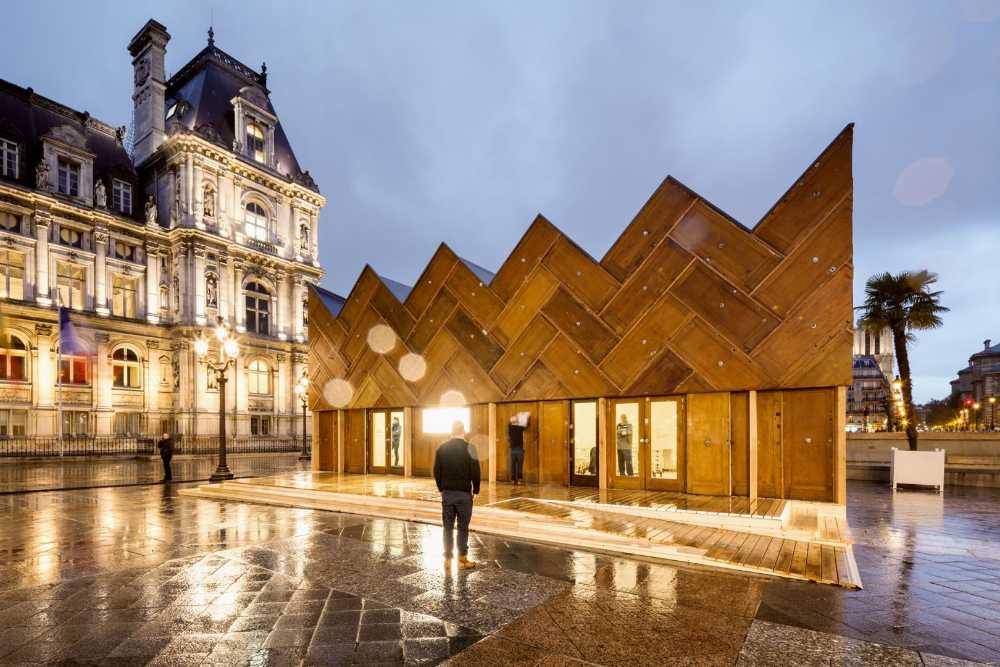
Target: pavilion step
[
  {"x": 584, "y": 527},
  {"x": 723, "y": 519}
]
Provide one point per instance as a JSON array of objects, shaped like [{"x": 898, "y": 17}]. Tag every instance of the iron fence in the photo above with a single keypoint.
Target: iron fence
[{"x": 115, "y": 445}]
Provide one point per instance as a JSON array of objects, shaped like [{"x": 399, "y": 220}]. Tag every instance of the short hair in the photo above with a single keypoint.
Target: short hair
[{"x": 457, "y": 428}]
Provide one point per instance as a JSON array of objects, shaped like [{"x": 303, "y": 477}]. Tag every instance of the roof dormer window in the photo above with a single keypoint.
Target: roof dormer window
[
  {"x": 69, "y": 178},
  {"x": 255, "y": 142},
  {"x": 8, "y": 159},
  {"x": 121, "y": 196}
]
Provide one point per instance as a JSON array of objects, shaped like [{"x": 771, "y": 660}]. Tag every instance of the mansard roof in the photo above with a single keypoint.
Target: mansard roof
[
  {"x": 27, "y": 117},
  {"x": 204, "y": 89}
]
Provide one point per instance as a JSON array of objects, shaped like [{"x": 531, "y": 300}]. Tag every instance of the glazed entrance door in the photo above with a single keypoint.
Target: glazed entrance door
[
  {"x": 708, "y": 444},
  {"x": 583, "y": 459},
  {"x": 625, "y": 439},
  {"x": 385, "y": 441},
  {"x": 662, "y": 449}
]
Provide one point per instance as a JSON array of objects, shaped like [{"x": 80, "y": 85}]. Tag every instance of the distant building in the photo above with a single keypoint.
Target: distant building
[
  {"x": 871, "y": 394},
  {"x": 210, "y": 216},
  {"x": 980, "y": 380}
]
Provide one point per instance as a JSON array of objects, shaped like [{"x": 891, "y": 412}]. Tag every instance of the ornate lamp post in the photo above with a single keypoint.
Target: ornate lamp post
[
  {"x": 993, "y": 412},
  {"x": 975, "y": 407},
  {"x": 302, "y": 391},
  {"x": 229, "y": 349}
]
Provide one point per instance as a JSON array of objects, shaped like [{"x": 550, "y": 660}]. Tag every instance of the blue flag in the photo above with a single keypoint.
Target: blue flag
[{"x": 70, "y": 340}]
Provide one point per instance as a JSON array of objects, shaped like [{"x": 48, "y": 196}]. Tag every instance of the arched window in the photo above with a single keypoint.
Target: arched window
[
  {"x": 255, "y": 142},
  {"x": 258, "y": 303},
  {"x": 255, "y": 222},
  {"x": 125, "y": 368},
  {"x": 259, "y": 377},
  {"x": 13, "y": 359}
]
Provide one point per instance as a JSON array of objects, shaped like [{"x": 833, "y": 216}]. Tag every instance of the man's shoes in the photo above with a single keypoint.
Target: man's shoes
[{"x": 465, "y": 564}]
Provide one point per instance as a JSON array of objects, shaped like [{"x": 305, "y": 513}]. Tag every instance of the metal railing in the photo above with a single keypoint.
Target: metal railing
[{"x": 115, "y": 445}]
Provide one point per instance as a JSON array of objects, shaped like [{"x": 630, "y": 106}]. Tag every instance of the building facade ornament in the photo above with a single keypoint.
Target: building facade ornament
[
  {"x": 42, "y": 175},
  {"x": 150, "y": 210},
  {"x": 100, "y": 194}
]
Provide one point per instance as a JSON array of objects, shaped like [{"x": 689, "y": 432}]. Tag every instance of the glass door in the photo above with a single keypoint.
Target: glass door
[
  {"x": 386, "y": 441},
  {"x": 625, "y": 440},
  {"x": 583, "y": 458},
  {"x": 663, "y": 454}
]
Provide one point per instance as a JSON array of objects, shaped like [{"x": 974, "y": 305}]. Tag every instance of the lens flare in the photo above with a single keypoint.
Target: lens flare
[
  {"x": 338, "y": 392},
  {"x": 412, "y": 367},
  {"x": 923, "y": 181},
  {"x": 381, "y": 338}
]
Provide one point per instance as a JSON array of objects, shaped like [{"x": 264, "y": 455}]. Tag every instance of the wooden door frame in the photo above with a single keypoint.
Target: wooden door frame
[
  {"x": 615, "y": 480},
  {"x": 391, "y": 469},
  {"x": 726, "y": 445},
  {"x": 584, "y": 480},
  {"x": 369, "y": 446},
  {"x": 646, "y": 451}
]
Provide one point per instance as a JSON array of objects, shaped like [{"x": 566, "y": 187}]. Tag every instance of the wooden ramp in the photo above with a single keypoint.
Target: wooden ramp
[{"x": 694, "y": 529}]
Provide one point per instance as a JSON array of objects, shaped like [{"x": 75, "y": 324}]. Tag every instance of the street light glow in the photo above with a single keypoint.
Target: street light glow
[{"x": 201, "y": 347}]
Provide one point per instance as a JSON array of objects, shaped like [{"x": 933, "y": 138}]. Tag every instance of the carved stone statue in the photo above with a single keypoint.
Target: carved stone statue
[
  {"x": 175, "y": 207},
  {"x": 304, "y": 239},
  {"x": 150, "y": 210},
  {"x": 177, "y": 296},
  {"x": 100, "y": 194},
  {"x": 211, "y": 293},
  {"x": 42, "y": 175},
  {"x": 208, "y": 205}
]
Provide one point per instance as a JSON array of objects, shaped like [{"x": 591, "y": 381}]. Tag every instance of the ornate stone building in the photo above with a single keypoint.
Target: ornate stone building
[{"x": 210, "y": 216}]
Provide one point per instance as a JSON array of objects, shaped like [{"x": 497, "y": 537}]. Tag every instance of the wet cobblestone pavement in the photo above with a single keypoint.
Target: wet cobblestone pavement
[
  {"x": 141, "y": 576},
  {"x": 69, "y": 473}
]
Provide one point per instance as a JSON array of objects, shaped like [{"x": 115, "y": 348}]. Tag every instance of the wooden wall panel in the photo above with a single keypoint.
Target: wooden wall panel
[
  {"x": 721, "y": 242},
  {"x": 553, "y": 445},
  {"x": 740, "y": 402},
  {"x": 326, "y": 435},
  {"x": 654, "y": 221},
  {"x": 808, "y": 444},
  {"x": 719, "y": 307},
  {"x": 354, "y": 441},
  {"x": 770, "y": 483},
  {"x": 708, "y": 444}
]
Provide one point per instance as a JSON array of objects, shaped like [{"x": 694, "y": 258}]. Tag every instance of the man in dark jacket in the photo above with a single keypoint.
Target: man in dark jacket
[
  {"x": 166, "y": 445},
  {"x": 456, "y": 471},
  {"x": 515, "y": 444}
]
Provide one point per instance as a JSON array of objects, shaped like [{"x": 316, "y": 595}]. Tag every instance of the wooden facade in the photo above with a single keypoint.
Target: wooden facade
[{"x": 739, "y": 338}]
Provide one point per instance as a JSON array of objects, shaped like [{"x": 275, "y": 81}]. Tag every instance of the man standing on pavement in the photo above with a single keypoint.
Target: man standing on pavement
[
  {"x": 166, "y": 445},
  {"x": 515, "y": 444},
  {"x": 456, "y": 471}
]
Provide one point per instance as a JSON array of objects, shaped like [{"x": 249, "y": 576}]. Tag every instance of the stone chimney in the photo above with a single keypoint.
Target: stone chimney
[
  {"x": 148, "y": 49},
  {"x": 986, "y": 343}
]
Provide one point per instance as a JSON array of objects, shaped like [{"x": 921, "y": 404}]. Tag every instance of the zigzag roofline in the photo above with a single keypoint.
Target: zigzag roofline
[{"x": 541, "y": 219}]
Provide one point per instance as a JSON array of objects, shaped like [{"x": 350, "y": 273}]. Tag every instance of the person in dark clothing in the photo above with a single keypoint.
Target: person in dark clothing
[
  {"x": 515, "y": 443},
  {"x": 456, "y": 471},
  {"x": 166, "y": 445},
  {"x": 396, "y": 432}
]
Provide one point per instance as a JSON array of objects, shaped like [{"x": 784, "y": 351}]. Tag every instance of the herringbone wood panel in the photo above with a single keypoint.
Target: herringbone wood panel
[{"x": 686, "y": 300}]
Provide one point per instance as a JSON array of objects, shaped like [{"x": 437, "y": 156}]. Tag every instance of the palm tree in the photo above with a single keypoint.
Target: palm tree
[{"x": 902, "y": 303}]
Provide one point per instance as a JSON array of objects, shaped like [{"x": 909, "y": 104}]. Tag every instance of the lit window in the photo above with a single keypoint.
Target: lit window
[
  {"x": 11, "y": 275},
  {"x": 8, "y": 158},
  {"x": 13, "y": 359},
  {"x": 69, "y": 178},
  {"x": 255, "y": 142},
  {"x": 125, "y": 368},
  {"x": 258, "y": 308},
  {"x": 128, "y": 423},
  {"x": 13, "y": 423},
  {"x": 123, "y": 297},
  {"x": 171, "y": 111},
  {"x": 70, "y": 282},
  {"x": 70, "y": 237},
  {"x": 121, "y": 197},
  {"x": 255, "y": 222},
  {"x": 438, "y": 421},
  {"x": 258, "y": 377},
  {"x": 75, "y": 423},
  {"x": 73, "y": 370}
]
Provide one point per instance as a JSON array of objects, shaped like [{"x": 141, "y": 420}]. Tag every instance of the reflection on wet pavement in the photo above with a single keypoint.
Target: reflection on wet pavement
[
  {"x": 69, "y": 473},
  {"x": 931, "y": 571},
  {"x": 140, "y": 575}
]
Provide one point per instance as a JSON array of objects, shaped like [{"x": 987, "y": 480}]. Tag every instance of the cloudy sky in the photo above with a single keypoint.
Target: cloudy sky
[{"x": 424, "y": 121}]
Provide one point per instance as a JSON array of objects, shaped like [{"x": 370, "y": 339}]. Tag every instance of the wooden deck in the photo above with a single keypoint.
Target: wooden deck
[{"x": 766, "y": 536}]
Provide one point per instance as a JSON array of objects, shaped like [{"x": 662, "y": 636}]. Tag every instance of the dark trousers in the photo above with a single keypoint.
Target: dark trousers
[
  {"x": 456, "y": 505},
  {"x": 516, "y": 457},
  {"x": 166, "y": 468},
  {"x": 625, "y": 462}
]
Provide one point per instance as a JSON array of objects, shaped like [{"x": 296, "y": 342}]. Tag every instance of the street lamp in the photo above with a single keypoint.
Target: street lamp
[
  {"x": 302, "y": 390},
  {"x": 229, "y": 349},
  {"x": 976, "y": 406},
  {"x": 993, "y": 413}
]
